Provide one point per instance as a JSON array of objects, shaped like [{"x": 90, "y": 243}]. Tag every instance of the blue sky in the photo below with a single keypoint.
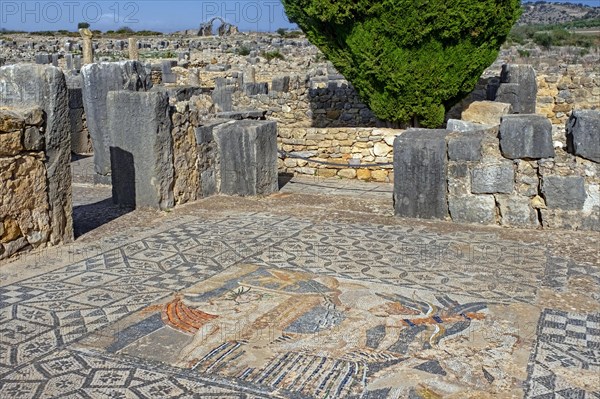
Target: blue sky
[{"x": 161, "y": 15}]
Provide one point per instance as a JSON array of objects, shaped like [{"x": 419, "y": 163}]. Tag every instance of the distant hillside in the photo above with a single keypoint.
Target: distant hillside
[{"x": 554, "y": 13}]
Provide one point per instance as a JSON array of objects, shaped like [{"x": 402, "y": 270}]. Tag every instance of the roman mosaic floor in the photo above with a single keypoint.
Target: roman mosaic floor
[{"x": 301, "y": 295}]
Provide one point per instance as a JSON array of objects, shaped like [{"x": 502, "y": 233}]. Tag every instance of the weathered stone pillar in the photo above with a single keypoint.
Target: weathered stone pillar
[
  {"x": 420, "y": 170},
  {"x": 88, "y": 50},
  {"x": 141, "y": 149},
  {"x": 69, "y": 61},
  {"x": 518, "y": 87},
  {"x": 98, "y": 80},
  {"x": 133, "y": 49},
  {"x": 247, "y": 157}
]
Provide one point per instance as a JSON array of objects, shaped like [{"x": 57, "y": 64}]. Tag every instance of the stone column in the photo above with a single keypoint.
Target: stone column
[
  {"x": 250, "y": 75},
  {"x": 88, "y": 51},
  {"x": 133, "y": 49}
]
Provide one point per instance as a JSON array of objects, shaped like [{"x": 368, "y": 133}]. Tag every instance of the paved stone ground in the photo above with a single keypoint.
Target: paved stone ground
[{"x": 313, "y": 292}]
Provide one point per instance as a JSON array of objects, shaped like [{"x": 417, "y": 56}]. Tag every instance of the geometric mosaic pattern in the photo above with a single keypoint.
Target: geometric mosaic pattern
[
  {"x": 42, "y": 316},
  {"x": 68, "y": 374},
  {"x": 565, "y": 341}
]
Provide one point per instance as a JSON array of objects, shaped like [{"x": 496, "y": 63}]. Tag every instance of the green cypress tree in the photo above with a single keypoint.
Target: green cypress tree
[{"x": 409, "y": 60}]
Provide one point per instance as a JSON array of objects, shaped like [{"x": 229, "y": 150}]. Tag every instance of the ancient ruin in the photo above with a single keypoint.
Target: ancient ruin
[
  {"x": 225, "y": 29},
  {"x": 222, "y": 216}
]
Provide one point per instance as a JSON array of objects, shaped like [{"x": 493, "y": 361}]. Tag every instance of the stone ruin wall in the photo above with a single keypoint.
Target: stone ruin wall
[
  {"x": 166, "y": 137},
  {"x": 24, "y": 207},
  {"x": 164, "y": 151},
  {"x": 317, "y": 101},
  {"x": 561, "y": 89},
  {"x": 343, "y": 146},
  {"x": 316, "y": 120},
  {"x": 35, "y": 184},
  {"x": 326, "y": 121},
  {"x": 516, "y": 175}
]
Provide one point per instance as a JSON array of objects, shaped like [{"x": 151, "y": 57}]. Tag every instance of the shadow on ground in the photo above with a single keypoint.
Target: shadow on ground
[
  {"x": 284, "y": 178},
  {"x": 91, "y": 216}
]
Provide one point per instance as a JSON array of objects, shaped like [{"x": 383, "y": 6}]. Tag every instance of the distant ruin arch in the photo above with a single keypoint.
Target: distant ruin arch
[{"x": 226, "y": 29}]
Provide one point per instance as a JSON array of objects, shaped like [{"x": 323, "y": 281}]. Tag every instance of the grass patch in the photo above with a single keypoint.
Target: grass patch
[{"x": 272, "y": 55}]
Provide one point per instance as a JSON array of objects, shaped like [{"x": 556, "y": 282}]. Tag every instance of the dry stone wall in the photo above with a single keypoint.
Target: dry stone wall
[
  {"x": 24, "y": 86},
  {"x": 361, "y": 153},
  {"x": 565, "y": 88},
  {"x": 24, "y": 204},
  {"x": 317, "y": 119},
  {"x": 513, "y": 175}
]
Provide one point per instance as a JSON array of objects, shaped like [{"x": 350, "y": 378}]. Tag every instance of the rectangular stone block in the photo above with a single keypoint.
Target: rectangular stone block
[
  {"x": 141, "y": 148},
  {"x": 253, "y": 89},
  {"x": 493, "y": 178},
  {"x": 75, "y": 98},
  {"x": 206, "y": 150},
  {"x": 526, "y": 137},
  {"x": 486, "y": 112},
  {"x": 564, "y": 192},
  {"x": 569, "y": 220},
  {"x": 98, "y": 80},
  {"x": 465, "y": 146},
  {"x": 24, "y": 209},
  {"x": 420, "y": 169},
  {"x": 459, "y": 179},
  {"x": 80, "y": 140},
  {"x": 69, "y": 61},
  {"x": 457, "y": 125},
  {"x": 516, "y": 211},
  {"x": 33, "y": 139},
  {"x": 473, "y": 209},
  {"x": 281, "y": 84},
  {"x": 508, "y": 93},
  {"x": 518, "y": 87},
  {"x": 222, "y": 97},
  {"x": 247, "y": 157},
  {"x": 583, "y": 134},
  {"x": 217, "y": 68},
  {"x": 43, "y": 59},
  {"x": 11, "y": 143}
]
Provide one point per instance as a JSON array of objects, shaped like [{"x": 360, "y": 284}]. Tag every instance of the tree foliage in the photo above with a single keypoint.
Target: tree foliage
[{"x": 408, "y": 59}]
